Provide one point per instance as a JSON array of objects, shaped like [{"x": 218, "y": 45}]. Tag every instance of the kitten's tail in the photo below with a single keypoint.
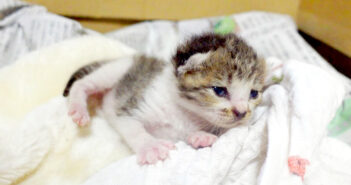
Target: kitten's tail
[{"x": 80, "y": 73}]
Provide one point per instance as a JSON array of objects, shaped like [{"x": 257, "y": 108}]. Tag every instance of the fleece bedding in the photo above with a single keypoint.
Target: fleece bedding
[{"x": 45, "y": 146}]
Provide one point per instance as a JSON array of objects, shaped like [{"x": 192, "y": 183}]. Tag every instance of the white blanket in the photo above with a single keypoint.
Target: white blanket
[
  {"x": 293, "y": 117},
  {"x": 45, "y": 147}
]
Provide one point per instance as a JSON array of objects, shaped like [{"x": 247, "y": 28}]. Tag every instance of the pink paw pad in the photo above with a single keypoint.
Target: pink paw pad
[
  {"x": 79, "y": 114},
  {"x": 153, "y": 152},
  {"x": 201, "y": 139},
  {"x": 297, "y": 165}
]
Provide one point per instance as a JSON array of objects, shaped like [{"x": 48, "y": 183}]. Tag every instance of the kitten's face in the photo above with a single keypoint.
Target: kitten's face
[{"x": 221, "y": 87}]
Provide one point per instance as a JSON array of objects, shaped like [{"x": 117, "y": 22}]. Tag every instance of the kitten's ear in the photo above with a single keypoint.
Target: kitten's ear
[
  {"x": 273, "y": 72},
  {"x": 194, "y": 63}
]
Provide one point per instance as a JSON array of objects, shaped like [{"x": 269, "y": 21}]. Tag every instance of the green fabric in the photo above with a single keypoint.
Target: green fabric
[
  {"x": 225, "y": 26},
  {"x": 342, "y": 119},
  {"x": 277, "y": 79}
]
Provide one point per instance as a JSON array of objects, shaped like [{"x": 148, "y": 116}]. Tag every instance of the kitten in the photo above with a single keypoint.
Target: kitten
[{"x": 213, "y": 83}]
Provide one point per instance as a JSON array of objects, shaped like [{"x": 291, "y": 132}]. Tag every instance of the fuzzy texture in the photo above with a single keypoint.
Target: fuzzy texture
[
  {"x": 153, "y": 104},
  {"x": 231, "y": 55},
  {"x": 258, "y": 153},
  {"x": 132, "y": 86},
  {"x": 226, "y": 61},
  {"x": 83, "y": 71},
  {"x": 43, "y": 146},
  {"x": 55, "y": 151}
]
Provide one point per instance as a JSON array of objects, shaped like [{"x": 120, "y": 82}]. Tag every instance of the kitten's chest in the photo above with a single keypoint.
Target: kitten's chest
[
  {"x": 161, "y": 114},
  {"x": 155, "y": 106},
  {"x": 169, "y": 123}
]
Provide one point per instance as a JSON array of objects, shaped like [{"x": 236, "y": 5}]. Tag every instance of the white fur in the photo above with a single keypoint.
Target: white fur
[
  {"x": 293, "y": 107},
  {"x": 158, "y": 116},
  {"x": 47, "y": 154},
  {"x": 194, "y": 61},
  {"x": 240, "y": 94},
  {"x": 103, "y": 79}
]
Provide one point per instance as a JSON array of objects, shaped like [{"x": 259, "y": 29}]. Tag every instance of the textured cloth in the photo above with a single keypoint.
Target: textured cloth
[
  {"x": 291, "y": 121},
  {"x": 47, "y": 145}
]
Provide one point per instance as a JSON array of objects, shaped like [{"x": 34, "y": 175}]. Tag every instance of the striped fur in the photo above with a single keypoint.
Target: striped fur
[
  {"x": 80, "y": 73},
  {"x": 131, "y": 88},
  {"x": 153, "y": 103}
]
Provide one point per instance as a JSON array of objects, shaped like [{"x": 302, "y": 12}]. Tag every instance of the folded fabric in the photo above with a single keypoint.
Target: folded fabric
[
  {"x": 293, "y": 117},
  {"x": 46, "y": 147}
]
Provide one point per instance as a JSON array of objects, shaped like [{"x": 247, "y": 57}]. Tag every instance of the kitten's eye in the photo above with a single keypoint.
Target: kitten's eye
[
  {"x": 253, "y": 94},
  {"x": 220, "y": 91}
]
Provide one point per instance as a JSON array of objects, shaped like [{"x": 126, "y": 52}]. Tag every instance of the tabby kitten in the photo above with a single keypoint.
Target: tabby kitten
[{"x": 213, "y": 83}]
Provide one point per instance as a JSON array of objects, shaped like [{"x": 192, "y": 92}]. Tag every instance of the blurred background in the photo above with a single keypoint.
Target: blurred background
[{"x": 324, "y": 24}]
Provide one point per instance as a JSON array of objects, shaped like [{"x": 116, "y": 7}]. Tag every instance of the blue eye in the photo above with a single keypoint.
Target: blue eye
[
  {"x": 220, "y": 91},
  {"x": 253, "y": 94}
]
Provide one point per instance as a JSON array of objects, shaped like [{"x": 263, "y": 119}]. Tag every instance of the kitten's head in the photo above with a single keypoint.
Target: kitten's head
[{"x": 220, "y": 78}]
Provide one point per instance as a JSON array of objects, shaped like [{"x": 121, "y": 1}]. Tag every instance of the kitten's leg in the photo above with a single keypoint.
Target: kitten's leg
[
  {"x": 148, "y": 149},
  {"x": 200, "y": 139},
  {"x": 97, "y": 82}
]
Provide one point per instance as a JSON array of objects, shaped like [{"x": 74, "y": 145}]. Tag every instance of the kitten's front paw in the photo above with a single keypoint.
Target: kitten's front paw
[
  {"x": 152, "y": 152},
  {"x": 79, "y": 114},
  {"x": 201, "y": 139}
]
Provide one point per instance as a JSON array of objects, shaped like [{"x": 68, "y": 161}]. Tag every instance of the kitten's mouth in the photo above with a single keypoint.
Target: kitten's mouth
[
  {"x": 229, "y": 124},
  {"x": 232, "y": 122}
]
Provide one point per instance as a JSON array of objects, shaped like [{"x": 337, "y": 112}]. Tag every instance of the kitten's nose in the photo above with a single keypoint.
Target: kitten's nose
[{"x": 238, "y": 114}]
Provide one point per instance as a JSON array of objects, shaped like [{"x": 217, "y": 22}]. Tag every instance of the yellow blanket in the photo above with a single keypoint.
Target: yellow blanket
[{"x": 42, "y": 145}]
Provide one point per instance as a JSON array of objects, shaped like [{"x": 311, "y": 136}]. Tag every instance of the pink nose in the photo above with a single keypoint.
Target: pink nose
[{"x": 238, "y": 114}]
